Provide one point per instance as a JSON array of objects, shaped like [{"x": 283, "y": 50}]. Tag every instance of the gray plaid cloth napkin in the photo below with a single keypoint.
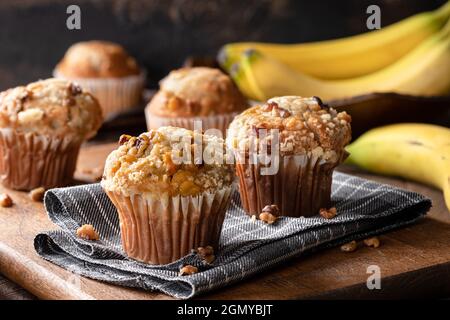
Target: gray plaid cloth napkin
[{"x": 247, "y": 247}]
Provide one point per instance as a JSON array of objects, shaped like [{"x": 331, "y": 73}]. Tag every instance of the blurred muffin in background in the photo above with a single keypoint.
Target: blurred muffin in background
[
  {"x": 42, "y": 126},
  {"x": 107, "y": 71},
  {"x": 199, "y": 93},
  {"x": 168, "y": 202},
  {"x": 286, "y": 151}
]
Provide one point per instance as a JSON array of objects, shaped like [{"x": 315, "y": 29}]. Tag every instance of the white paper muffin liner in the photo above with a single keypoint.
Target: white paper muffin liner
[
  {"x": 30, "y": 160},
  {"x": 301, "y": 187},
  {"x": 160, "y": 230},
  {"x": 115, "y": 95},
  {"x": 220, "y": 121}
]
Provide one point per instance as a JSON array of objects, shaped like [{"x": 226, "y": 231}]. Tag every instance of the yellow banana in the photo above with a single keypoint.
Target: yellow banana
[
  {"x": 347, "y": 57},
  {"x": 419, "y": 152},
  {"x": 423, "y": 71},
  {"x": 238, "y": 75}
]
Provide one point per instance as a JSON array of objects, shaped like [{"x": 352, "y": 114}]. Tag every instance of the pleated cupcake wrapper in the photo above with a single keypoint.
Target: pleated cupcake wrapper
[
  {"x": 115, "y": 95},
  {"x": 220, "y": 121},
  {"x": 29, "y": 160},
  {"x": 301, "y": 187},
  {"x": 159, "y": 230}
]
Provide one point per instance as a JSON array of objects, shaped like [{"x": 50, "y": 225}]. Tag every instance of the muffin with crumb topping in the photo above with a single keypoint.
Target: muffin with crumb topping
[
  {"x": 107, "y": 71},
  {"x": 286, "y": 152},
  {"x": 42, "y": 126},
  {"x": 170, "y": 197},
  {"x": 194, "y": 94}
]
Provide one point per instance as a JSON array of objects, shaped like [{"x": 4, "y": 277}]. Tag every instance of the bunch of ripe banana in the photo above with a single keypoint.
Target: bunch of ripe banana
[
  {"x": 411, "y": 57},
  {"x": 419, "y": 152}
]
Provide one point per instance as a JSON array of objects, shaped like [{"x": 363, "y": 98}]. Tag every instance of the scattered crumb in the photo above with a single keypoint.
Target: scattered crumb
[
  {"x": 272, "y": 209},
  {"x": 328, "y": 213},
  {"x": 37, "y": 194},
  {"x": 372, "y": 242},
  {"x": 269, "y": 213},
  {"x": 209, "y": 259},
  {"x": 207, "y": 254},
  {"x": 5, "y": 200},
  {"x": 205, "y": 251},
  {"x": 188, "y": 270},
  {"x": 267, "y": 217},
  {"x": 349, "y": 247},
  {"x": 87, "y": 232}
]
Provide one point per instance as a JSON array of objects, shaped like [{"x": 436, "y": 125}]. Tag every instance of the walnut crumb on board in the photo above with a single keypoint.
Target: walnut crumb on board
[
  {"x": 372, "y": 242},
  {"x": 87, "y": 232},
  {"x": 5, "y": 200},
  {"x": 37, "y": 194},
  {"x": 349, "y": 247}
]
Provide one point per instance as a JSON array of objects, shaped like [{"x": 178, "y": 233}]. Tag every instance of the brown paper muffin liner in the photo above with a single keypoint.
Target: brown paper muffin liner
[
  {"x": 160, "y": 230},
  {"x": 220, "y": 121},
  {"x": 115, "y": 95},
  {"x": 301, "y": 187},
  {"x": 29, "y": 160}
]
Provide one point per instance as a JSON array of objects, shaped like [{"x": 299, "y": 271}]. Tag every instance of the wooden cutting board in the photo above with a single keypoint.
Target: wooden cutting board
[{"x": 414, "y": 261}]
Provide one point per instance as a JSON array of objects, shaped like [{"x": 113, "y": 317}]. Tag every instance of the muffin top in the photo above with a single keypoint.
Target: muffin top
[
  {"x": 304, "y": 125},
  {"x": 169, "y": 161},
  {"x": 97, "y": 59},
  {"x": 51, "y": 107},
  {"x": 195, "y": 92}
]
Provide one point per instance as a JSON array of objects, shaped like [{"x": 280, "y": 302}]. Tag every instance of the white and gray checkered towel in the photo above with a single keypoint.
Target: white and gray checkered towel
[{"x": 247, "y": 247}]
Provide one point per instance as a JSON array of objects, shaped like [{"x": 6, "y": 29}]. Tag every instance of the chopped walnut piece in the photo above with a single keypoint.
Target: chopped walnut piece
[
  {"x": 328, "y": 213},
  {"x": 205, "y": 251},
  {"x": 124, "y": 139},
  {"x": 37, "y": 194},
  {"x": 87, "y": 232},
  {"x": 207, "y": 254},
  {"x": 171, "y": 167},
  {"x": 272, "y": 209},
  {"x": 75, "y": 89},
  {"x": 188, "y": 270},
  {"x": 372, "y": 242},
  {"x": 284, "y": 113},
  {"x": 270, "y": 106},
  {"x": 349, "y": 247},
  {"x": 209, "y": 259},
  {"x": 267, "y": 217},
  {"x": 5, "y": 200}
]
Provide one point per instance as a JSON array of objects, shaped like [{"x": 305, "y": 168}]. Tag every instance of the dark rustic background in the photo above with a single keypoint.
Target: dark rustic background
[{"x": 161, "y": 33}]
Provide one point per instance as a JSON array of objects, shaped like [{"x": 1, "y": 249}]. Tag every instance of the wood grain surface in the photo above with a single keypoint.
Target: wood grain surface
[{"x": 414, "y": 261}]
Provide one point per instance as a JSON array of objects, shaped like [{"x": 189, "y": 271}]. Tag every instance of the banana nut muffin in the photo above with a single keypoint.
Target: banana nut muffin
[
  {"x": 168, "y": 201},
  {"x": 200, "y": 93},
  {"x": 307, "y": 143},
  {"x": 97, "y": 59},
  {"x": 106, "y": 70},
  {"x": 42, "y": 126}
]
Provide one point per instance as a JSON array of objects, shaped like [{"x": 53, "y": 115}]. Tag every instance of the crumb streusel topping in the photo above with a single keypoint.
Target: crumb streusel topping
[
  {"x": 97, "y": 59},
  {"x": 198, "y": 91},
  {"x": 150, "y": 164},
  {"x": 305, "y": 125},
  {"x": 53, "y": 106}
]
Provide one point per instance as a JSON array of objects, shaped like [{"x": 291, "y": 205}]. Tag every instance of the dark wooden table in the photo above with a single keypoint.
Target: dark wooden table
[{"x": 414, "y": 261}]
